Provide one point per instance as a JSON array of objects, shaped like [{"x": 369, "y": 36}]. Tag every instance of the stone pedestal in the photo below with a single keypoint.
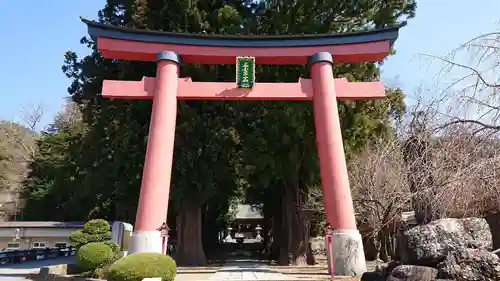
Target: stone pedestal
[
  {"x": 348, "y": 254},
  {"x": 145, "y": 241}
]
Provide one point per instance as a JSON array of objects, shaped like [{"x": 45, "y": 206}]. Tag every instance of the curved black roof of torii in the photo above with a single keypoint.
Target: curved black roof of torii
[{"x": 95, "y": 30}]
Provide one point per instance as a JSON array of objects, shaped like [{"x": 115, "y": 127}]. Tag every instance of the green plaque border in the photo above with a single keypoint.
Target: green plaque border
[{"x": 239, "y": 66}]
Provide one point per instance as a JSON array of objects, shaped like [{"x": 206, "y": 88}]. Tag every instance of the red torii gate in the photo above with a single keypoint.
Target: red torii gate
[{"x": 318, "y": 51}]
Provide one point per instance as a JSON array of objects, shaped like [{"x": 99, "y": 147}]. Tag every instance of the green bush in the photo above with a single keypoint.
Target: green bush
[
  {"x": 115, "y": 247},
  {"x": 92, "y": 255},
  {"x": 138, "y": 266},
  {"x": 93, "y": 231},
  {"x": 99, "y": 273},
  {"x": 97, "y": 226},
  {"x": 102, "y": 271}
]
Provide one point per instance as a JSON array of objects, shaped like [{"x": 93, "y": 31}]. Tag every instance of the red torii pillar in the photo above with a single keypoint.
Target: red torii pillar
[
  {"x": 347, "y": 243},
  {"x": 155, "y": 185}
]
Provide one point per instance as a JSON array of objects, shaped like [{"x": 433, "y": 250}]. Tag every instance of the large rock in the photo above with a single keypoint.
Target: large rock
[
  {"x": 413, "y": 273},
  {"x": 60, "y": 269},
  {"x": 430, "y": 244},
  {"x": 470, "y": 265},
  {"x": 387, "y": 268},
  {"x": 373, "y": 276}
]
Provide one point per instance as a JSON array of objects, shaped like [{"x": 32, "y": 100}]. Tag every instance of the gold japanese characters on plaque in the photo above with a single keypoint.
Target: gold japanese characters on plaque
[{"x": 245, "y": 72}]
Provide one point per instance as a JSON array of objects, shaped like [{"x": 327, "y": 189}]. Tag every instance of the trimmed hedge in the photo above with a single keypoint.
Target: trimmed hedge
[
  {"x": 92, "y": 255},
  {"x": 115, "y": 247},
  {"x": 96, "y": 226},
  {"x": 93, "y": 231},
  {"x": 138, "y": 266}
]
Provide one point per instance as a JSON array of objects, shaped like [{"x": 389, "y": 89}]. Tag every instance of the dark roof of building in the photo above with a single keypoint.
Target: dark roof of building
[
  {"x": 41, "y": 224},
  {"x": 95, "y": 29}
]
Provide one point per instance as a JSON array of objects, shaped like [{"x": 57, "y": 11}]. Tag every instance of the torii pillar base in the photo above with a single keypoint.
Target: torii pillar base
[
  {"x": 348, "y": 253},
  {"x": 145, "y": 241}
]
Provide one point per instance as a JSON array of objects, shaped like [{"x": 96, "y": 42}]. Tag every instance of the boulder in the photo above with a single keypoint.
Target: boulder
[
  {"x": 382, "y": 271},
  {"x": 60, "y": 269},
  {"x": 60, "y": 272},
  {"x": 470, "y": 265},
  {"x": 429, "y": 244},
  {"x": 373, "y": 276},
  {"x": 413, "y": 273},
  {"x": 387, "y": 268}
]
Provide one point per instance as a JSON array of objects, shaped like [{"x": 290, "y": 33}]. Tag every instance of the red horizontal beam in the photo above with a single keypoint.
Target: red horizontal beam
[
  {"x": 146, "y": 51},
  {"x": 188, "y": 89}
]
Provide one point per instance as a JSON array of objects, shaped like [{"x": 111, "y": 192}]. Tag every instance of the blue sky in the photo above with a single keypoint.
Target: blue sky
[{"x": 36, "y": 34}]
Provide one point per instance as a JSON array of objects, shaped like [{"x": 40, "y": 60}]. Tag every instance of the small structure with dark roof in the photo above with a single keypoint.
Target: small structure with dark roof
[{"x": 246, "y": 219}]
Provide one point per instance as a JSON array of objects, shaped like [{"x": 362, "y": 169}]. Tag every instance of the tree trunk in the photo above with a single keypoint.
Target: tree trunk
[
  {"x": 210, "y": 231},
  {"x": 266, "y": 229},
  {"x": 298, "y": 224},
  {"x": 280, "y": 237},
  {"x": 420, "y": 177},
  {"x": 270, "y": 246},
  {"x": 189, "y": 250}
]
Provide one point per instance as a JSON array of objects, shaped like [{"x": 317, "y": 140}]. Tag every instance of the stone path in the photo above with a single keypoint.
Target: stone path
[{"x": 243, "y": 270}]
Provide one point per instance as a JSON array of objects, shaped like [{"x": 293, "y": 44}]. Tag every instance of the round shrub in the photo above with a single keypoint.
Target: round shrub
[
  {"x": 97, "y": 226},
  {"x": 92, "y": 255},
  {"x": 138, "y": 266},
  {"x": 93, "y": 231}
]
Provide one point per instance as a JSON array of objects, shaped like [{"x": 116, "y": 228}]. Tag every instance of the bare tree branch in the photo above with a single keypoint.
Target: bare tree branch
[
  {"x": 24, "y": 139},
  {"x": 473, "y": 84}
]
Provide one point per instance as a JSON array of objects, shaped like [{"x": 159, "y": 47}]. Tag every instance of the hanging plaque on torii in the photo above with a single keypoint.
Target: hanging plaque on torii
[{"x": 245, "y": 72}]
